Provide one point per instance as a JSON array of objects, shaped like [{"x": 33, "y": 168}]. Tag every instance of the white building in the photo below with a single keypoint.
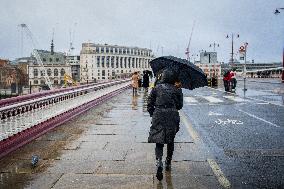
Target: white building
[
  {"x": 103, "y": 62},
  {"x": 209, "y": 64}
]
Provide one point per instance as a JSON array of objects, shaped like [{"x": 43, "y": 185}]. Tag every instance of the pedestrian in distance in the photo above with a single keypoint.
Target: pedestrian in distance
[
  {"x": 145, "y": 84},
  {"x": 227, "y": 80},
  {"x": 233, "y": 79},
  {"x": 134, "y": 83},
  {"x": 139, "y": 80},
  {"x": 164, "y": 101}
]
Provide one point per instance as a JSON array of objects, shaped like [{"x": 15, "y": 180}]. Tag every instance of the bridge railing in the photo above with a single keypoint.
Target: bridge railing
[
  {"x": 24, "y": 121},
  {"x": 17, "y": 99},
  {"x": 19, "y": 105}
]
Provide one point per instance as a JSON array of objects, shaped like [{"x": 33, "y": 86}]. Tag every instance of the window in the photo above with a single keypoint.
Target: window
[
  {"x": 121, "y": 59},
  {"x": 103, "y": 73},
  {"x": 55, "y": 82},
  {"x": 112, "y": 61},
  {"x": 124, "y": 51},
  {"x": 119, "y": 51},
  {"x": 35, "y": 72},
  {"x": 42, "y": 73},
  {"x": 44, "y": 59},
  {"x": 111, "y": 50},
  {"x": 107, "y": 50},
  {"x": 103, "y": 61},
  {"x": 117, "y": 59},
  {"x": 62, "y": 72},
  {"x": 97, "y": 49},
  {"x": 125, "y": 59},
  {"x": 55, "y": 72},
  {"x": 98, "y": 61},
  {"x": 49, "y": 72},
  {"x": 129, "y": 62},
  {"x": 102, "y": 49},
  {"x": 133, "y": 59},
  {"x": 107, "y": 61},
  {"x": 35, "y": 82},
  {"x": 57, "y": 59},
  {"x": 42, "y": 82},
  {"x": 50, "y": 59}
]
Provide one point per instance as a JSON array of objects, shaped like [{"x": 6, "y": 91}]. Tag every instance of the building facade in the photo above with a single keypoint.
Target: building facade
[
  {"x": 74, "y": 62},
  {"x": 209, "y": 64},
  {"x": 105, "y": 62},
  {"x": 55, "y": 65},
  {"x": 259, "y": 70}
]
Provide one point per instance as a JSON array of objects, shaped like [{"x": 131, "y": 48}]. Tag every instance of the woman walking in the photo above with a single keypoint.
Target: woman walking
[
  {"x": 134, "y": 82},
  {"x": 163, "y": 104},
  {"x": 145, "y": 81}
]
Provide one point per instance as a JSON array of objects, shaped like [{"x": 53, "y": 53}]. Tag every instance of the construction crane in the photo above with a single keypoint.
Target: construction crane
[
  {"x": 71, "y": 39},
  {"x": 187, "y": 52},
  {"x": 36, "y": 54},
  {"x": 68, "y": 81}
]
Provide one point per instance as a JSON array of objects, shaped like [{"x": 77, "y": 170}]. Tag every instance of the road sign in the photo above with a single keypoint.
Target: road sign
[{"x": 242, "y": 49}]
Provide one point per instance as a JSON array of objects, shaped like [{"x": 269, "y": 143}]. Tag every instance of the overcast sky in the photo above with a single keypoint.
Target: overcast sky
[{"x": 159, "y": 24}]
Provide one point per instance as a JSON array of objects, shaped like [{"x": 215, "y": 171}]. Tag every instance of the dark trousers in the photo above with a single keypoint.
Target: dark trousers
[
  {"x": 159, "y": 151},
  {"x": 234, "y": 83}
]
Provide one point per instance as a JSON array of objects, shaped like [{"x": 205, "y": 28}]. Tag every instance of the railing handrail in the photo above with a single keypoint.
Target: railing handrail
[
  {"x": 17, "y": 99},
  {"x": 71, "y": 91}
]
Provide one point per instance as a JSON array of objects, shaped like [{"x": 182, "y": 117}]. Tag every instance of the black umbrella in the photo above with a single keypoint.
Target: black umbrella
[{"x": 190, "y": 76}]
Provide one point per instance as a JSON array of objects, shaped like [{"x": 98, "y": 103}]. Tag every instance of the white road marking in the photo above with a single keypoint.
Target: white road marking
[
  {"x": 235, "y": 98},
  {"x": 212, "y": 99},
  {"x": 229, "y": 121},
  {"x": 262, "y": 103},
  {"x": 190, "y": 99},
  {"x": 219, "y": 174},
  {"x": 214, "y": 113},
  {"x": 251, "y": 98},
  {"x": 254, "y": 116}
]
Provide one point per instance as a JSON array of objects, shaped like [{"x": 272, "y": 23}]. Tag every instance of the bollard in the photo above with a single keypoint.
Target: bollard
[{"x": 209, "y": 82}]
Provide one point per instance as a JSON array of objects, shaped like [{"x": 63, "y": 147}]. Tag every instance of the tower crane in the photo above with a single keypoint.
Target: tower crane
[
  {"x": 187, "y": 52},
  {"x": 36, "y": 54},
  {"x": 71, "y": 39}
]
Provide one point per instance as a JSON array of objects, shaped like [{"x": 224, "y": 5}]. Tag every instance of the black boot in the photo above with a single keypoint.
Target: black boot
[
  {"x": 159, "y": 165},
  {"x": 168, "y": 164}
]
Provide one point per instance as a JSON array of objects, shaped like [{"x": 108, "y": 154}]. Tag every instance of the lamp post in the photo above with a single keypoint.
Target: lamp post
[
  {"x": 245, "y": 68},
  {"x": 214, "y": 45},
  {"x": 276, "y": 13},
  {"x": 232, "y": 45}
]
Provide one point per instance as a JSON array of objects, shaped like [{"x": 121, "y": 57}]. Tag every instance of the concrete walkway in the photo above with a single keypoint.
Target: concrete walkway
[{"x": 107, "y": 148}]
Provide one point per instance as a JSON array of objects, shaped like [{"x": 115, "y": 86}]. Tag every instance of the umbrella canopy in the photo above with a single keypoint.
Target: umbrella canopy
[{"x": 189, "y": 75}]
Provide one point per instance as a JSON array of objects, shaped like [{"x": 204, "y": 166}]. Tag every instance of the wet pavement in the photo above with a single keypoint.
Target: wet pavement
[
  {"x": 244, "y": 133},
  {"x": 107, "y": 148}
]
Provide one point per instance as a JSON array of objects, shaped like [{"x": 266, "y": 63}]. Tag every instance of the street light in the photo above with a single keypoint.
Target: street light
[
  {"x": 232, "y": 52},
  {"x": 214, "y": 45},
  {"x": 277, "y": 10},
  {"x": 276, "y": 13}
]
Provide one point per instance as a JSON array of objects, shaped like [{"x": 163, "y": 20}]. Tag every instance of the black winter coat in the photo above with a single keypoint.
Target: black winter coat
[
  {"x": 163, "y": 104},
  {"x": 145, "y": 81}
]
